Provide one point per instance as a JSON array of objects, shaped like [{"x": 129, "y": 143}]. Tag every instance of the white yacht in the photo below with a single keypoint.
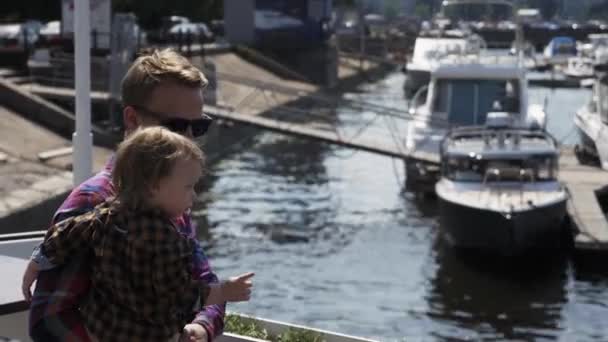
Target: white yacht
[
  {"x": 592, "y": 121},
  {"x": 462, "y": 92},
  {"x": 451, "y": 32},
  {"x": 429, "y": 49},
  {"x": 589, "y": 54},
  {"x": 499, "y": 190}
]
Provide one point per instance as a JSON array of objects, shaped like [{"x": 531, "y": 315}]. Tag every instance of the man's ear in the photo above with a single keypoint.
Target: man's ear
[{"x": 130, "y": 119}]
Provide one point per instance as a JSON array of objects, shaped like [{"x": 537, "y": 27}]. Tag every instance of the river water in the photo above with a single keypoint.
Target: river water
[{"x": 337, "y": 245}]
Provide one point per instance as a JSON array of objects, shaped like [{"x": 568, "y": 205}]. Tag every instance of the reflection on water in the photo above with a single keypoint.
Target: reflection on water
[
  {"x": 335, "y": 244},
  {"x": 490, "y": 298}
]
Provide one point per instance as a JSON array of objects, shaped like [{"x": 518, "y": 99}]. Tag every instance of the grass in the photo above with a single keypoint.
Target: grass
[{"x": 242, "y": 326}]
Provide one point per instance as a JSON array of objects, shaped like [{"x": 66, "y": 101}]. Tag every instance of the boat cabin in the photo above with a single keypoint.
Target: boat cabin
[
  {"x": 499, "y": 155},
  {"x": 462, "y": 94}
]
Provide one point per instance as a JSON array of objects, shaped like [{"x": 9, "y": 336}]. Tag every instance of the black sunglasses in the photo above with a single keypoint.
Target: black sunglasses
[{"x": 179, "y": 125}]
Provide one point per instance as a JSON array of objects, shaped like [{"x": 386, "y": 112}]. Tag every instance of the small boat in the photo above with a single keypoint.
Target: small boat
[
  {"x": 559, "y": 50},
  {"x": 499, "y": 190},
  {"x": 579, "y": 67}
]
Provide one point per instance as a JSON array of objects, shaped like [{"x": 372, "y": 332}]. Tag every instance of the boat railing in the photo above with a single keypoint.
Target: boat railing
[
  {"x": 488, "y": 134},
  {"x": 491, "y": 172}
]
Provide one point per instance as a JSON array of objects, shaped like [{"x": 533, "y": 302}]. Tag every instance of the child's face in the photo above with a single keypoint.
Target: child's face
[{"x": 175, "y": 193}]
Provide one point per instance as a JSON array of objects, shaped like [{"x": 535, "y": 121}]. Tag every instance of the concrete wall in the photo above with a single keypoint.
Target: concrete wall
[
  {"x": 239, "y": 24},
  {"x": 47, "y": 114}
]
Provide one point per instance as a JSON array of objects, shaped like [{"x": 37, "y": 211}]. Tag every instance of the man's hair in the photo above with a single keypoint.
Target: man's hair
[
  {"x": 147, "y": 156},
  {"x": 157, "y": 67}
]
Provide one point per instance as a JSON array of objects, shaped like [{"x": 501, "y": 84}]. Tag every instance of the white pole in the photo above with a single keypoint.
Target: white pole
[{"x": 82, "y": 138}]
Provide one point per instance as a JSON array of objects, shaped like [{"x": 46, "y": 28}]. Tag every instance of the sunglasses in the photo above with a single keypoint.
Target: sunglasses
[{"x": 179, "y": 125}]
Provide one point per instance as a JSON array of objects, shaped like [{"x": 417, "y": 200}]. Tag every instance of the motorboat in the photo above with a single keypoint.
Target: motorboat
[
  {"x": 559, "y": 50},
  {"x": 499, "y": 190},
  {"x": 461, "y": 93},
  {"x": 452, "y": 31},
  {"x": 579, "y": 67},
  {"x": 592, "y": 121},
  {"x": 432, "y": 47}
]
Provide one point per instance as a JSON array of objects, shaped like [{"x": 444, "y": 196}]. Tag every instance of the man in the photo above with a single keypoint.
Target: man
[{"x": 162, "y": 88}]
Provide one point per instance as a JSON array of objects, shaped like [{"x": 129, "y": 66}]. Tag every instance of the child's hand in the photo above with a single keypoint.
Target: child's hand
[
  {"x": 193, "y": 333},
  {"x": 30, "y": 275},
  {"x": 237, "y": 289}
]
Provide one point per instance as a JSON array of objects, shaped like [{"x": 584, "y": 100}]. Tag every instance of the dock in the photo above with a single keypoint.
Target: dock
[
  {"x": 391, "y": 149},
  {"x": 587, "y": 217}
]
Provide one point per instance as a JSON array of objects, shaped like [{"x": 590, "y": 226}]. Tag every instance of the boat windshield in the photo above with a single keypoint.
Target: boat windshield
[
  {"x": 532, "y": 169},
  {"x": 492, "y": 12},
  {"x": 468, "y": 102}
]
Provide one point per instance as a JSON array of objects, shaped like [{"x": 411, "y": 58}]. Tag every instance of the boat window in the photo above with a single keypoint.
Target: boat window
[
  {"x": 536, "y": 169},
  {"x": 464, "y": 170},
  {"x": 468, "y": 102}
]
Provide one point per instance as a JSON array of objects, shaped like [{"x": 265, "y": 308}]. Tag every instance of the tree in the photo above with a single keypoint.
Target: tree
[{"x": 422, "y": 11}]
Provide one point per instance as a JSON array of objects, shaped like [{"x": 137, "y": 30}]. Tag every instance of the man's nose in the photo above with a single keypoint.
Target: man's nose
[{"x": 188, "y": 132}]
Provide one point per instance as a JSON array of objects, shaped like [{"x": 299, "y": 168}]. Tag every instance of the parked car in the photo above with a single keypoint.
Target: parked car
[
  {"x": 34, "y": 25},
  {"x": 17, "y": 38},
  {"x": 199, "y": 32},
  {"x": 50, "y": 34},
  {"x": 167, "y": 23}
]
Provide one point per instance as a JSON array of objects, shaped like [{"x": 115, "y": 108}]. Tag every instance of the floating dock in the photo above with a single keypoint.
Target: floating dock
[{"x": 586, "y": 214}]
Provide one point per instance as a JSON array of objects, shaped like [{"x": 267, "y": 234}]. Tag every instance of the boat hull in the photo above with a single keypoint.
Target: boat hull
[
  {"x": 483, "y": 229},
  {"x": 587, "y": 144},
  {"x": 588, "y": 126}
]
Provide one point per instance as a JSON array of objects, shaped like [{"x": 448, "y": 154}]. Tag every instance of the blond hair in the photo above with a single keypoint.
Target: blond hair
[
  {"x": 159, "y": 66},
  {"x": 147, "y": 156}
]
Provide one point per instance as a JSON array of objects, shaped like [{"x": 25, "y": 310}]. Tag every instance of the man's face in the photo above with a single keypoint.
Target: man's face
[{"x": 169, "y": 101}]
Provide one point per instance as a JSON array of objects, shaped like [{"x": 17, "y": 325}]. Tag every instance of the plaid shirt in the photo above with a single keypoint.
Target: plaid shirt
[
  {"x": 54, "y": 314},
  {"x": 142, "y": 284}
]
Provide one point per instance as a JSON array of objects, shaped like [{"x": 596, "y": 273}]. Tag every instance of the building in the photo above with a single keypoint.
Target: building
[
  {"x": 277, "y": 23},
  {"x": 294, "y": 32}
]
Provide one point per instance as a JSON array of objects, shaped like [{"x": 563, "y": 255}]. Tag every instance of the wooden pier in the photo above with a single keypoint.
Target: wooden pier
[
  {"x": 585, "y": 212},
  {"x": 387, "y": 148}
]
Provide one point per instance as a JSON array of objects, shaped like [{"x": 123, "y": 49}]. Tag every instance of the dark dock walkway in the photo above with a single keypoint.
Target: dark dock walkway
[
  {"x": 582, "y": 182},
  {"x": 387, "y": 148}
]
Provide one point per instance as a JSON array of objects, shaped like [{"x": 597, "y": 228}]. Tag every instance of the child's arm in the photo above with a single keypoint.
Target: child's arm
[
  {"x": 61, "y": 240},
  {"x": 67, "y": 238}
]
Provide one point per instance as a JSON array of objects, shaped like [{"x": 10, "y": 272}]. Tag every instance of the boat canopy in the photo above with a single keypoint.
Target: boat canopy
[{"x": 562, "y": 45}]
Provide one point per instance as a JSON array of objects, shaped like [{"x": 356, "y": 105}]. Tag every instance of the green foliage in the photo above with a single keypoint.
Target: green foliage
[
  {"x": 237, "y": 325},
  {"x": 240, "y": 326},
  {"x": 422, "y": 11},
  {"x": 392, "y": 8},
  {"x": 298, "y": 335}
]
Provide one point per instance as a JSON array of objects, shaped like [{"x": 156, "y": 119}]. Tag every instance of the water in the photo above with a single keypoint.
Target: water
[{"x": 368, "y": 260}]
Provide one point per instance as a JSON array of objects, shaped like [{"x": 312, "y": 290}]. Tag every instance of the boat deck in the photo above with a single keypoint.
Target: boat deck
[{"x": 583, "y": 207}]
